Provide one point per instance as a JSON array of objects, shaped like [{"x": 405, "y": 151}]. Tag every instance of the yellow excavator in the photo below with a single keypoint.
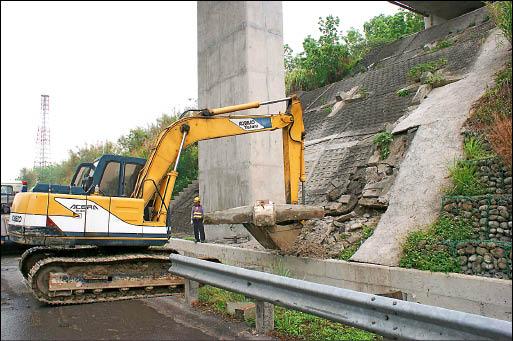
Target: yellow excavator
[{"x": 92, "y": 238}]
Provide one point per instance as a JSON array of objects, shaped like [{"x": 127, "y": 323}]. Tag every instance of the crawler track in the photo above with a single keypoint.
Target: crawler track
[{"x": 59, "y": 280}]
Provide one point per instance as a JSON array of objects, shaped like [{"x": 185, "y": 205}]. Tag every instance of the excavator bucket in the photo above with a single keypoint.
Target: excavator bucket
[{"x": 274, "y": 226}]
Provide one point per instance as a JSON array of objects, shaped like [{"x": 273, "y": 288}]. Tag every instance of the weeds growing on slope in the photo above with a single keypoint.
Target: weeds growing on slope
[
  {"x": 501, "y": 13},
  {"x": 465, "y": 179},
  {"x": 382, "y": 141},
  {"x": 435, "y": 80},
  {"x": 491, "y": 115},
  {"x": 416, "y": 71},
  {"x": 475, "y": 149},
  {"x": 440, "y": 45},
  {"x": 495, "y": 102},
  {"x": 403, "y": 92}
]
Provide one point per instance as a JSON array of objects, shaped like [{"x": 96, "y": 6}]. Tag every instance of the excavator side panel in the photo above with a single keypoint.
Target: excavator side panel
[{"x": 64, "y": 219}]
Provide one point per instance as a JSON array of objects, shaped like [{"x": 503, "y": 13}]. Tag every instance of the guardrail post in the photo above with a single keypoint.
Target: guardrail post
[
  {"x": 191, "y": 287},
  {"x": 191, "y": 291},
  {"x": 264, "y": 317}
]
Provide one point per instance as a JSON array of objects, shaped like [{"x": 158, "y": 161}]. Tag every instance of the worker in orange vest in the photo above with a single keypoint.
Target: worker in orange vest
[{"x": 197, "y": 221}]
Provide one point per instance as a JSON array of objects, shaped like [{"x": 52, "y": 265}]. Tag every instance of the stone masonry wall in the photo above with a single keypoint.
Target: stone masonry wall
[
  {"x": 489, "y": 253},
  {"x": 487, "y": 259},
  {"x": 490, "y": 215}
]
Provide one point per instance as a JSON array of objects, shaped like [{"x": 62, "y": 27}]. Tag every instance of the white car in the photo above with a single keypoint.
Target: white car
[{"x": 8, "y": 191}]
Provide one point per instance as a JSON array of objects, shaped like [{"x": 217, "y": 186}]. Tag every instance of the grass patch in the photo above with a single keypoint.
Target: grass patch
[
  {"x": 348, "y": 252},
  {"x": 287, "y": 322},
  {"x": 280, "y": 269},
  {"x": 403, "y": 92},
  {"x": 440, "y": 45},
  {"x": 465, "y": 179},
  {"x": 382, "y": 141},
  {"x": 217, "y": 298},
  {"x": 309, "y": 327},
  {"x": 189, "y": 238},
  {"x": 416, "y": 71},
  {"x": 475, "y": 149},
  {"x": 425, "y": 250}
]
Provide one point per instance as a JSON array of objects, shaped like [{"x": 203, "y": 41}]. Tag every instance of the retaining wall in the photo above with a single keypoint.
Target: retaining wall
[{"x": 484, "y": 296}]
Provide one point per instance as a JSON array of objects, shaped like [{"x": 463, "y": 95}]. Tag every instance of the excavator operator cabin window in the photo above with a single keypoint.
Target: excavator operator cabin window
[
  {"x": 109, "y": 184},
  {"x": 131, "y": 172}
]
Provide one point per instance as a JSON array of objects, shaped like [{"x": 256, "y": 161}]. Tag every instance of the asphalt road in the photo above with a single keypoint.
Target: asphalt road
[{"x": 24, "y": 318}]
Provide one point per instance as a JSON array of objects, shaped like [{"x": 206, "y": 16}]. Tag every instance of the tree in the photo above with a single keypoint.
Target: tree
[
  {"x": 333, "y": 56},
  {"x": 323, "y": 61},
  {"x": 387, "y": 28}
]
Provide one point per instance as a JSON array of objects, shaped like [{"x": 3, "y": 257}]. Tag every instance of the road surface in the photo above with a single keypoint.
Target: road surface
[{"x": 24, "y": 318}]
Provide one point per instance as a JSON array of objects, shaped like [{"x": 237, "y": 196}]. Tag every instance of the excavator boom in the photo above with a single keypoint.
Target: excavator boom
[{"x": 155, "y": 179}]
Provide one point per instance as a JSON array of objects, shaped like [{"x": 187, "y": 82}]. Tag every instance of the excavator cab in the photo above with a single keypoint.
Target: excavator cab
[{"x": 115, "y": 176}]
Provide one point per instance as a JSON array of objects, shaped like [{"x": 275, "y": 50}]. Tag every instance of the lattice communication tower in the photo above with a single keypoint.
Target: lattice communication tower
[{"x": 43, "y": 135}]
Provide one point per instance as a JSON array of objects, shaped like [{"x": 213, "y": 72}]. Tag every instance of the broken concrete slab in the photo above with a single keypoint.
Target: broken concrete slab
[
  {"x": 346, "y": 217},
  {"x": 241, "y": 310},
  {"x": 421, "y": 94},
  {"x": 373, "y": 203},
  {"x": 345, "y": 199}
]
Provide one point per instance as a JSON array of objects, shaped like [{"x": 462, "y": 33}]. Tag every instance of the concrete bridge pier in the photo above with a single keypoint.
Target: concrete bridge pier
[{"x": 240, "y": 59}]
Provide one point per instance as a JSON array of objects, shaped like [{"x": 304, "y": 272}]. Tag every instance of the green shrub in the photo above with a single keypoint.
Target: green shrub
[
  {"x": 403, "y": 92},
  {"x": 501, "y": 13},
  {"x": 327, "y": 110},
  {"x": 426, "y": 250},
  {"x": 416, "y": 71},
  {"x": 348, "y": 252},
  {"x": 382, "y": 141},
  {"x": 465, "y": 179},
  {"x": 475, "y": 149}
]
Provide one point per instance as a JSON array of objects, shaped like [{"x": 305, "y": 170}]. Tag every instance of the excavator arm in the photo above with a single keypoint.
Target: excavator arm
[{"x": 155, "y": 177}]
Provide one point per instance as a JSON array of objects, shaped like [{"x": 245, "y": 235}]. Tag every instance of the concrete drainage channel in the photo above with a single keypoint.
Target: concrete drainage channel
[{"x": 476, "y": 295}]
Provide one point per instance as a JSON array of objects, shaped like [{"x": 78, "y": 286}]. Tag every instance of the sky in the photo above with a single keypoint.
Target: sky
[{"x": 112, "y": 66}]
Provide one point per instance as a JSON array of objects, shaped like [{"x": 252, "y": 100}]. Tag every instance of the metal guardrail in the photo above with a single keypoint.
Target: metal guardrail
[{"x": 382, "y": 315}]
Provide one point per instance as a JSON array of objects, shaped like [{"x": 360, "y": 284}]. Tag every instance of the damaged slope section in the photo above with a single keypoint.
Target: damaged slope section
[{"x": 416, "y": 194}]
